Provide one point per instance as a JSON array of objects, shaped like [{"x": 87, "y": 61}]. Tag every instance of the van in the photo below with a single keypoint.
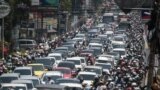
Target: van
[{"x": 26, "y": 43}]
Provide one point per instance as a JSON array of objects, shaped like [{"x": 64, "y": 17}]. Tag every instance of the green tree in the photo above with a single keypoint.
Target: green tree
[{"x": 66, "y": 5}]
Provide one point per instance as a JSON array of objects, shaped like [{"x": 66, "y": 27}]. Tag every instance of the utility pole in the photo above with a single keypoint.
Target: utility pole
[{"x": 153, "y": 25}]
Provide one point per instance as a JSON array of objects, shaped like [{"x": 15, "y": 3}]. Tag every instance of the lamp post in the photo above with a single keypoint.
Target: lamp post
[{"x": 4, "y": 11}]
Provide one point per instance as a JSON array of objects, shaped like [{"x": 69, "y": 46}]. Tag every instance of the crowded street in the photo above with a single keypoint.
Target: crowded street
[{"x": 107, "y": 51}]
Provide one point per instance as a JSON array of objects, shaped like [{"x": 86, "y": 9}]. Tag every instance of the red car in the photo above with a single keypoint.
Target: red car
[{"x": 67, "y": 72}]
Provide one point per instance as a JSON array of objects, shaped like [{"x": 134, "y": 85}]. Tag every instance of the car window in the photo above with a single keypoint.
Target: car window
[
  {"x": 22, "y": 42},
  {"x": 23, "y": 72}
]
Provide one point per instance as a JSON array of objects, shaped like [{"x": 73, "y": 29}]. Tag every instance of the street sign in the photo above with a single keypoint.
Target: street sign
[
  {"x": 146, "y": 14},
  {"x": 4, "y": 10}
]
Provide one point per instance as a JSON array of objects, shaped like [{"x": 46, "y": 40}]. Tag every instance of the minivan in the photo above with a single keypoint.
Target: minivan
[{"x": 26, "y": 43}]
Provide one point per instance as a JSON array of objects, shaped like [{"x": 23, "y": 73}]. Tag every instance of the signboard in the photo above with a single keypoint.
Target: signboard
[
  {"x": 52, "y": 3},
  {"x": 4, "y": 10},
  {"x": 145, "y": 14},
  {"x": 35, "y": 2}
]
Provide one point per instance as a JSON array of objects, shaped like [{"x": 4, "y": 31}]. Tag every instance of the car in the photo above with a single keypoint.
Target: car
[
  {"x": 12, "y": 86},
  {"x": 67, "y": 72},
  {"x": 67, "y": 80},
  {"x": 62, "y": 49},
  {"x": 28, "y": 83},
  {"x": 97, "y": 69},
  {"x": 119, "y": 38},
  {"x": 58, "y": 57},
  {"x": 102, "y": 59},
  {"x": 24, "y": 71},
  {"x": 8, "y": 77},
  {"x": 53, "y": 74},
  {"x": 26, "y": 43},
  {"x": 70, "y": 65},
  {"x": 106, "y": 67},
  {"x": 76, "y": 61},
  {"x": 38, "y": 68},
  {"x": 88, "y": 77},
  {"x": 72, "y": 49},
  {"x": 72, "y": 86},
  {"x": 36, "y": 80},
  {"x": 121, "y": 51},
  {"x": 83, "y": 60},
  {"x": 48, "y": 62},
  {"x": 51, "y": 87}
]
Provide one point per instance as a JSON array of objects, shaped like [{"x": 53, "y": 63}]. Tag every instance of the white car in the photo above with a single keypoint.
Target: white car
[
  {"x": 88, "y": 77},
  {"x": 13, "y": 86},
  {"x": 52, "y": 74},
  {"x": 83, "y": 60},
  {"x": 58, "y": 57},
  {"x": 97, "y": 69},
  {"x": 76, "y": 61},
  {"x": 121, "y": 51},
  {"x": 73, "y": 85},
  {"x": 24, "y": 71},
  {"x": 105, "y": 60},
  {"x": 29, "y": 83}
]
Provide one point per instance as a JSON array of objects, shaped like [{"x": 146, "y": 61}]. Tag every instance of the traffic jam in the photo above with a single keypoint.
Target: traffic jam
[{"x": 105, "y": 54}]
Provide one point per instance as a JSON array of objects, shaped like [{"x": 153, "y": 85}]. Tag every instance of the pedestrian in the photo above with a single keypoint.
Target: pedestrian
[{"x": 49, "y": 81}]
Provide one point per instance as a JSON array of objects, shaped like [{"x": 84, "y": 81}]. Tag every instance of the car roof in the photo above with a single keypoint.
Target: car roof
[
  {"x": 67, "y": 62},
  {"x": 29, "y": 77},
  {"x": 95, "y": 67},
  {"x": 12, "y": 84},
  {"x": 68, "y": 79},
  {"x": 117, "y": 42},
  {"x": 52, "y": 86},
  {"x": 86, "y": 72},
  {"x": 24, "y": 67},
  {"x": 103, "y": 63},
  {"x": 55, "y": 54},
  {"x": 119, "y": 49},
  {"x": 48, "y": 73},
  {"x": 57, "y": 68},
  {"x": 10, "y": 75},
  {"x": 98, "y": 44},
  {"x": 45, "y": 58},
  {"x": 72, "y": 85},
  {"x": 79, "y": 57},
  {"x": 21, "y": 81},
  {"x": 75, "y": 59},
  {"x": 34, "y": 64},
  {"x": 62, "y": 48}
]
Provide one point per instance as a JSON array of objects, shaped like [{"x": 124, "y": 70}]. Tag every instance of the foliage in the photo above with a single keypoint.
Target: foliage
[{"x": 66, "y": 5}]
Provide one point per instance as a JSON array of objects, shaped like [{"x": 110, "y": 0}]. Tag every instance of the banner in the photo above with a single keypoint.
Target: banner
[{"x": 50, "y": 3}]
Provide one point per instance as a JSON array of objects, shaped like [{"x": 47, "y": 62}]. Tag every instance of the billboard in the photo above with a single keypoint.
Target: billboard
[{"x": 52, "y": 3}]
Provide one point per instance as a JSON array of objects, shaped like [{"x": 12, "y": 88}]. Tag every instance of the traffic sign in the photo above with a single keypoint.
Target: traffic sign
[{"x": 4, "y": 10}]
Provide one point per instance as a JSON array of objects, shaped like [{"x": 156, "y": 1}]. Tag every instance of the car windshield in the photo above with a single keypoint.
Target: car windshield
[
  {"x": 58, "y": 81},
  {"x": 23, "y": 72},
  {"x": 57, "y": 57},
  {"x": 69, "y": 65},
  {"x": 76, "y": 62},
  {"x": 118, "y": 39},
  {"x": 54, "y": 77},
  {"x": 104, "y": 66},
  {"x": 7, "y": 79},
  {"x": 86, "y": 76},
  {"x": 46, "y": 62},
  {"x": 14, "y": 88},
  {"x": 98, "y": 71},
  {"x": 37, "y": 67},
  {"x": 120, "y": 52},
  {"x": 64, "y": 71},
  {"x": 118, "y": 46}
]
